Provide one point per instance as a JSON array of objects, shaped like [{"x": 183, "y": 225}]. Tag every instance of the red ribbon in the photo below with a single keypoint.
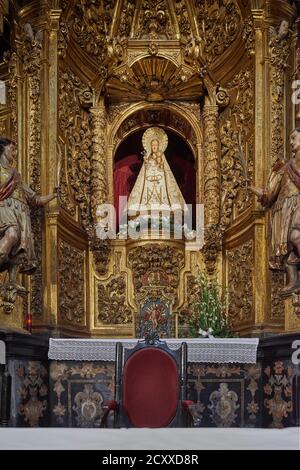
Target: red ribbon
[{"x": 293, "y": 174}]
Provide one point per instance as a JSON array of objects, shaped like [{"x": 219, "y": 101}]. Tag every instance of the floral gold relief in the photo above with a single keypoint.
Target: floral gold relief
[
  {"x": 240, "y": 284},
  {"x": 71, "y": 284},
  {"x": 84, "y": 81},
  {"x": 112, "y": 302}
]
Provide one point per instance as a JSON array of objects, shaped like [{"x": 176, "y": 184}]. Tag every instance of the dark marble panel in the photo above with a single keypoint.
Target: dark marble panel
[
  {"x": 71, "y": 393},
  {"x": 78, "y": 391},
  {"x": 30, "y": 393},
  {"x": 226, "y": 395}
]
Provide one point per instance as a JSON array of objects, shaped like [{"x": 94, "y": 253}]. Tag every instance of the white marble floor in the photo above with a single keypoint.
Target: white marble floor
[{"x": 148, "y": 439}]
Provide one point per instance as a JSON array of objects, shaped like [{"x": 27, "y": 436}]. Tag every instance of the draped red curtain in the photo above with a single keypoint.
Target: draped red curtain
[{"x": 125, "y": 174}]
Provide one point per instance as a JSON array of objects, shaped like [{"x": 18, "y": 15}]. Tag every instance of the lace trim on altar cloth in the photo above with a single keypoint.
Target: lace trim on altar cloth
[{"x": 229, "y": 350}]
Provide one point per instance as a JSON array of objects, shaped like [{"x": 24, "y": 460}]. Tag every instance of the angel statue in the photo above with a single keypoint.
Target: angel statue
[
  {"x": 155, "y": 185},
  {"x": 16, "y": 239},
  {"x": 282, "y": 196}
]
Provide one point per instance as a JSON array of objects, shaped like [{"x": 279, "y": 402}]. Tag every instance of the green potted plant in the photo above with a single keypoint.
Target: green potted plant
[{"x": 207, "y": 316}]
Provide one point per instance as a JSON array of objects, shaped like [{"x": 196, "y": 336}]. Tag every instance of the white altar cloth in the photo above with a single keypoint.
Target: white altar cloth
[{"x": 216, "y": 350}]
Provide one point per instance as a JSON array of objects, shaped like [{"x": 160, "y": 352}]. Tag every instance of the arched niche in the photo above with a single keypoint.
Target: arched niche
[
  {"x": 182, "y": 121},
  {"x": 128, "y": 161}
]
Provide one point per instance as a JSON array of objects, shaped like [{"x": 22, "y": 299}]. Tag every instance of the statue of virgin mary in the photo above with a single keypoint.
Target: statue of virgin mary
[{"x": 155, "y": 185}]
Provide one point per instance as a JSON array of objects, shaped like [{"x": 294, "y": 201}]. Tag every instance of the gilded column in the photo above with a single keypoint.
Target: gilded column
[
  {"x": 261, "y": 277},
  {"x": 99, "y": 191},
  {"x": 213, "y": 232},
  {"x": 211, "y": 165},
  {"x": 99, "y": 185},
  {"x": 50, "y": 164}
]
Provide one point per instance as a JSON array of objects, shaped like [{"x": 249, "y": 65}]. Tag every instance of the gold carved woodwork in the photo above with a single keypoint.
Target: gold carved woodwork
[
  {"x": 36, "y": 281},
  {"x": 183, "y": 18},
  {"x": 292, "y": 313},
  {"x": 154, "y": 79},
  {"x": 4, "y": 10},
  {"x": 230, "y": 170},
  {"x": 90, "y": 25},
  {"x": 213, "y": 236},
  {"x": 83, "y": 156},
  {"x": 154, "y": 21},
  {"x": 106, "y": 49},
  {"x": 112, "y": 308},
  {"x": 219, "y": 24},
  {"x": 156, "y": 266},
  {"x": 237, "y": 147},
  {"x": 101, "y": 254},
  {"x": 99, "y": 170},
  {"x": 78, "y": 152},
  {"x": 280, "y": 47},
  {"x": 71, "y": 284},
  {"x": 99, "y": 187},
  {"x": 217, "y": 99},
  {"x": 248, "y": 35},
  {"x": 75, "y": 127},
  {"x": 277, "y": 302},
  {"x": 3, "y": 127},
  {"x": 126, "y": 18},
  {"x": 240, "y": 284},
  {"x": 31, "y": 52},
  {"x": 162, "y": 116},
  {"x": 211, "y": 164},
  {"x": 191, "y": 294},
  {"x": 13, "y": 93},
  {"x": 63, "y": 39}
]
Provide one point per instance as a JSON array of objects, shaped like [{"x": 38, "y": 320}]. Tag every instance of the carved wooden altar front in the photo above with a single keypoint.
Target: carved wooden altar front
[{"x": 217, "y": 75}]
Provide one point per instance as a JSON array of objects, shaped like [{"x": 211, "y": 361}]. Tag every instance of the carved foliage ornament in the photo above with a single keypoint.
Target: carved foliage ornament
[
  {"x": 277, "y": 302},
  {"x": 280, "y": 47},
  {"x": 12, "y": 92},
  {"x": 248, "y": 35},
  {"x": 111, "y": 302},
  {"x": 211, "y": 165},
  {"x": 154, "y": 20},
  {"x": 182, "y": 18},
  {"x": 155, "y": 258},
  {"x": 240, "y": 274},
  {"x": 237, "y": 157},
  {"x": 213, "y": 236},
  {"x": 98, "y": 162},
  {"x": 219, "y": 23},
  {"x": 75, "y": 126},
  {"x": 127, "y": 14},
  {"x": 71, "y": 284},
  {"x": 83, "y": 158},
  {"x": 91, "y": 23}
]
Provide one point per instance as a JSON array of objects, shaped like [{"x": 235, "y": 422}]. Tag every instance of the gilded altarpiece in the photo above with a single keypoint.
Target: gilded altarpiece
[{"x": 86, "y": 79}]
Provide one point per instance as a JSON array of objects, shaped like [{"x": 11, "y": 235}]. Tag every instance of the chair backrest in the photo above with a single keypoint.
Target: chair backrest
[{"x": 150, "y": 383}]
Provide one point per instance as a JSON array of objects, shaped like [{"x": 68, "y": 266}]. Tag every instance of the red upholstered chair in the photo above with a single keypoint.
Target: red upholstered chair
[{"x": 150, "y": 386}]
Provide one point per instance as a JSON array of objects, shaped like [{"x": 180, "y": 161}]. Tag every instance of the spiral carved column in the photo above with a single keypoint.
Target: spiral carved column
[
  {"x": 211, "y": 165},
  {"x": 213, "y": 233},
  {"x": 99, "y": 187},
  {"x": 98, "y": 161}
]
